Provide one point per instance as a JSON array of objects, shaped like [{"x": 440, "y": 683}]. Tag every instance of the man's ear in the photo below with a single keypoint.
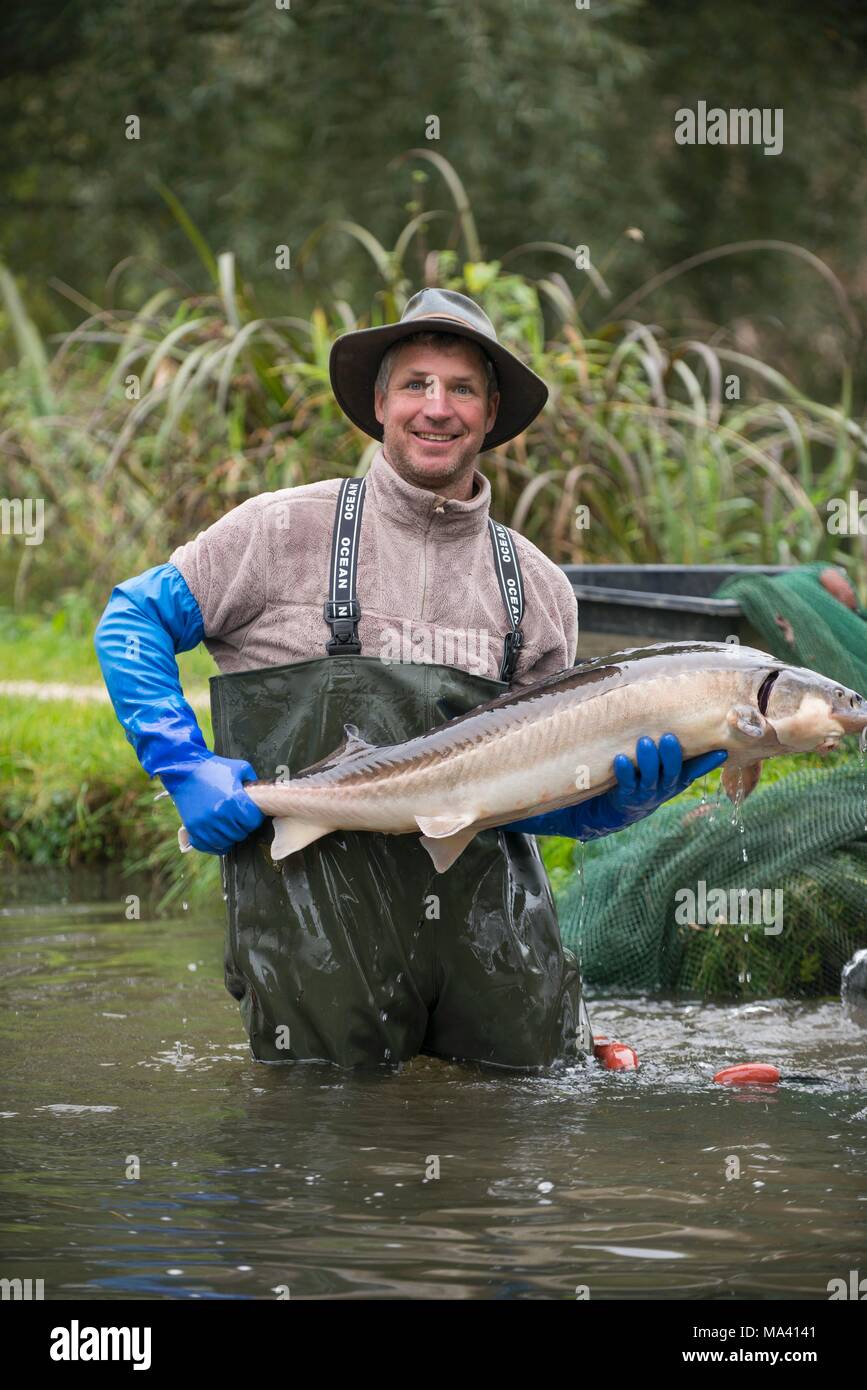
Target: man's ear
[
  {"x": 493, "y": 407},
  {"x": 378, "y": 404}
]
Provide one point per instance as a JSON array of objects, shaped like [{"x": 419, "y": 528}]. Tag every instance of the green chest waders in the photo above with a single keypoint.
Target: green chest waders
[{"x": 355, "y": 950}]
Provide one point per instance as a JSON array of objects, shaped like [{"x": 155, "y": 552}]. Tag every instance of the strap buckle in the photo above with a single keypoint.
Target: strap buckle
[
  {"x": 512, "y": 644},
  {"x": 344, "y": 640}
]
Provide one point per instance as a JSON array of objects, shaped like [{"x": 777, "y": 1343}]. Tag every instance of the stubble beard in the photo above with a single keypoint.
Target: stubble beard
[{"x": 397, "y": 452}]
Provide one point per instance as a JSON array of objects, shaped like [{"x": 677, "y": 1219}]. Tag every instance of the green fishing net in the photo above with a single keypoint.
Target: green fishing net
[
  {"x": 801, "y": 622},
  {"x": 766, "y": 900}
]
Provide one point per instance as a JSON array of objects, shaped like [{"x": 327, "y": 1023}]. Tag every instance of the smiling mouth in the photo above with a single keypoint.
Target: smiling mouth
[{"x": 433, "y": 436}]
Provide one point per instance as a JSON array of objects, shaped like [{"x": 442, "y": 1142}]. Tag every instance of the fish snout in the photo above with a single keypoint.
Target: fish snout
[{"x": 850, "y": 709}]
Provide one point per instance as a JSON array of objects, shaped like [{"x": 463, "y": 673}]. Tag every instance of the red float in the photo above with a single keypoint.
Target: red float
[
  {"x": 748, "y": 1074},
  {"x": 615, "y": 1056}
]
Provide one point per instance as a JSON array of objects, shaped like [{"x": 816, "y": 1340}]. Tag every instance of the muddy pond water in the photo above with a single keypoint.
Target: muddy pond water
[{"x": 123, "y": 1054}]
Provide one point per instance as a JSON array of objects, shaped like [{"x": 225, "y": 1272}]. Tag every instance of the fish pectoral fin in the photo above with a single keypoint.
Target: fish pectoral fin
[
  {"x": 446, "y": 837},
  {"x": 444, "y": 850},
  {"x": 738, "y": 782},
  {"x": 291, "y": 835},
  {"x": 441, "y": 827},
  {"x": 748, "y": 721}
]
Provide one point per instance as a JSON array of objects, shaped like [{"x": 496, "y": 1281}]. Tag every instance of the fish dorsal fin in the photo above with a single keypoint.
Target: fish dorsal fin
[{"x": 351, "y": 745}]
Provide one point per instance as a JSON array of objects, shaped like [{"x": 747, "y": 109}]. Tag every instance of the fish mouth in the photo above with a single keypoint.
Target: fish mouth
[
  {"x": 852, "y": 725},
  {"x": 828, "y": 743},
  {"x": 848, "y": 721}
]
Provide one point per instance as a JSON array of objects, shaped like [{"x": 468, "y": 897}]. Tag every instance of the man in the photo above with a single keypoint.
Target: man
[{"x": 384, "y": 603}]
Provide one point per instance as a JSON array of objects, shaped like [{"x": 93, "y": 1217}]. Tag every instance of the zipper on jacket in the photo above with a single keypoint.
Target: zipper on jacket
[{"x": 435, "y": 508}]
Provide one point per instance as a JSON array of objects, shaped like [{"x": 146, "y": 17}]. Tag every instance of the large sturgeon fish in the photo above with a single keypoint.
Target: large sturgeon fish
[{"x": 553, "y": 743}]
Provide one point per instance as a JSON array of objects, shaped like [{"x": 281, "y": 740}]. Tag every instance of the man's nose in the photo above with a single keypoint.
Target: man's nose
[{"x": 437, "y": 405}]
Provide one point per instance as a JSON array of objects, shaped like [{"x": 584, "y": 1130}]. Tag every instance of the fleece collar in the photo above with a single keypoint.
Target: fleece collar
[{"x": 422, "y": 510}]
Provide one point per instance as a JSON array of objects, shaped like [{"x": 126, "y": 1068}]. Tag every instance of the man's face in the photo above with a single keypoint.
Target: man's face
[{"x": 439, "y": 392}]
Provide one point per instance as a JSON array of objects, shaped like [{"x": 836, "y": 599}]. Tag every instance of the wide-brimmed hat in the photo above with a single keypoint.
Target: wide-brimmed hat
[{"x": 355, "y": 359}]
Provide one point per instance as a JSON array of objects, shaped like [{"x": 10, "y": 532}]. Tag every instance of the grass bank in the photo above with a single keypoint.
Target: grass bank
[
  {"x": 71, "y": 789},
  {"x": 72, "y": 792}
]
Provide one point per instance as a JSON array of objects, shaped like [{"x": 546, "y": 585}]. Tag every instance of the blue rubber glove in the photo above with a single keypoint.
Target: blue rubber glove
[
  {"x": 146, "y": 621},
  {"x": 214, "y": 806},
  {"x": 657, "y": 776}
]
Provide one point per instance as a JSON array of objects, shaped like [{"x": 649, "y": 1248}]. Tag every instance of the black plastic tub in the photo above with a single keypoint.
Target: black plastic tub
[{"x": 637, "y": 605}]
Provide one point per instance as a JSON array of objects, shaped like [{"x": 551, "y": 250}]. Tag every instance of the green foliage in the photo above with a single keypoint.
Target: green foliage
[
  {"x": 262, "y": 122},
  {"x": 169, "y": 414}
]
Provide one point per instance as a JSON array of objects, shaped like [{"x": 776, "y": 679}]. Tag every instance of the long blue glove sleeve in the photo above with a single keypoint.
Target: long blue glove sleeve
[
  {"x": 147, "y": 620},
  {"x": 657, "y": 776}
]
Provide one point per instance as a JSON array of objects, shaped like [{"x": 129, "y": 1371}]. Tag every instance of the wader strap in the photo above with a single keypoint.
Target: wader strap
[
  {"x": 341, "y": 610},
  {"x": 509, "y": 578}
]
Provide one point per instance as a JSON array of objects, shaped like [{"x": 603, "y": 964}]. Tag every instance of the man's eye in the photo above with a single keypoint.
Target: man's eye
[{"x": 415, "y": 383}]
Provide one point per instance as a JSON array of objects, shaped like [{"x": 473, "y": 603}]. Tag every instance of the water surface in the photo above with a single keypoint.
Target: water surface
[{"x": 120, "y": 1043}]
